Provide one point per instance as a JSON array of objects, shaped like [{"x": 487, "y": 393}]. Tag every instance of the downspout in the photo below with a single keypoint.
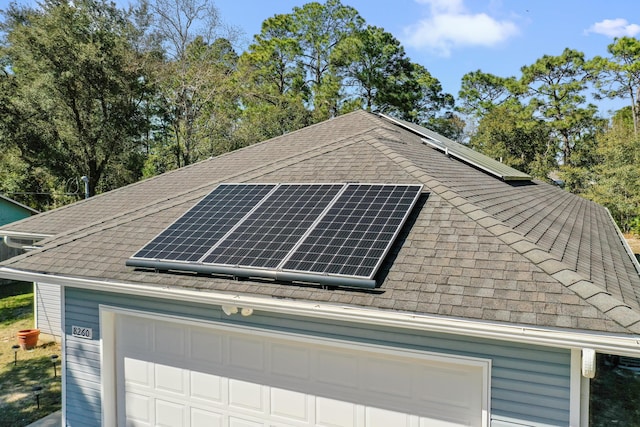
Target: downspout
[{"x": 10, "y": 243}]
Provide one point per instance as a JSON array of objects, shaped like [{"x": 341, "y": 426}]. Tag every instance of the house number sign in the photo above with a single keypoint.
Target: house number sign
[{"x": 81, "y": 332}]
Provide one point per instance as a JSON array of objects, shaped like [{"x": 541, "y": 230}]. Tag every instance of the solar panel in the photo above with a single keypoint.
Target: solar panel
[
  {"x": 193, "y": 234},
  {"x": 265, "y": 238},
  {"x": 462, "y": 152},
  {"x": 325, "y": 233},
  {"x": 354, "y": 236}
]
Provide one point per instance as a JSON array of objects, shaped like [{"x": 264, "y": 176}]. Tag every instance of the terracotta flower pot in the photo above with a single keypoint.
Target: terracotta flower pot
[{"x": 28, "y": 338}]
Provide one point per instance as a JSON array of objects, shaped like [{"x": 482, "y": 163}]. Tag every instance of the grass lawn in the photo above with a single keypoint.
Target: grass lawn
[{"x": 18, "y": 404}]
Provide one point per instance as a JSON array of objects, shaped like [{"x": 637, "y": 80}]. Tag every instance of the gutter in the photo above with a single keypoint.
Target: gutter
[
  {"x": 601, "y": 342},
  {"x": 9, "y": 235}
]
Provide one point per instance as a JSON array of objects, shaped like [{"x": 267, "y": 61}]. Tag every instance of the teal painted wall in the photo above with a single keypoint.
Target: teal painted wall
[
  {"x": 530, "y": 384},
  {"x": 10, "y": 212}
]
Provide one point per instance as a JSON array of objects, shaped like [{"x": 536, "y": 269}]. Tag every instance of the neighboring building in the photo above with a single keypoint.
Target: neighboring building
[
  {"x": 11, "y": 211},
  {"x": 487, "y": 310},
  {"x": 46, "y": 297}
]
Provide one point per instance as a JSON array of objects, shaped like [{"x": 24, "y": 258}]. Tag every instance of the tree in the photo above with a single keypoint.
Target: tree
[
  {"x": 379, "y": 76},
  {"x": 75, "y": 88},
  {"x": 272, "y": 84},
  {"x": 619, "y": 76},
  {"x": 375, "y": 68},
  {"x": 617, "y": 175},
  {"x": 505, "y": 133},
  {"x": 306, "y": 40},
  {"x": 555, "y": 88},
  {"x": 193, "y": 79},
  {"x": 430, "y": 106},
  {"x": 481, "y": 92}
]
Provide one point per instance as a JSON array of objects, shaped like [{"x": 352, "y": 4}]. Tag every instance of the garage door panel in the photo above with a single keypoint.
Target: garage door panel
[
  {"x": 335, "y": 413},
  {"x": 138, "y": 336},
  {"x": 246, "y": 354},
  {"x": 139, "y": 409},
  {"x": 290, "y": 361},
  {"x": 170, "y": 379},
  {"x": 206, "y": 387},
  {"x": 202, "y": 418},
  {"x": 260, "y": 379},
  {"x": 445, "y": 423},
  {"x": 376, "y": 417},
  {"x": 389, "y": 375},
  {"x": 139, "y": 372},
  {"x": 170, "y": 414},
  {"x": 246, "y": 395},
  {"x": 169, "y": 340},
  {"x": 290, "y": 405},
  {"x": 239, "y": 422},
  {"x": 336, "y": 369},
  {"x": 206, "y": 347}
]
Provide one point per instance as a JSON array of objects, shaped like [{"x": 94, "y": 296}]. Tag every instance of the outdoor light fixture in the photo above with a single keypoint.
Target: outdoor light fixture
[
  {"x": 37, "y": 389},
  {"x": 54, "y": 358},
  {"x": 229, "y": 309},
  {"x": 232, "y": 309},
  {"x": 588, "y": 362},
  {"x": 15, "y": 349}
]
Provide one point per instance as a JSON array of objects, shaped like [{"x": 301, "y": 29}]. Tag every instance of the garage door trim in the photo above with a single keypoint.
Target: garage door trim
[{"x": 108, "y": 316}]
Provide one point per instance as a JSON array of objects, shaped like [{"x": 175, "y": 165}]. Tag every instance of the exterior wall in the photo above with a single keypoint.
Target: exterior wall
[
  {"x": 529, "y": 384},
  {"x": 10, "y": 212},
  {"x": 5, "y": 253},
  {"x": 48, "y": 306}
]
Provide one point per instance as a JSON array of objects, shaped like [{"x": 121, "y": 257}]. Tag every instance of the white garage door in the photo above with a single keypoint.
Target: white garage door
[{"x": 171, "y": 373}]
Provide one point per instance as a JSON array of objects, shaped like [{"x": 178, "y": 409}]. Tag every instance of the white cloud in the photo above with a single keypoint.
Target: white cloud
[
  {"x": 615, "y": 28},
  {"x": 450, "y": 25}
]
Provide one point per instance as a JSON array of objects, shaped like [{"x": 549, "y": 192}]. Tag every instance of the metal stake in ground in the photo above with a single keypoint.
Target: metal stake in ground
[
  {"x": 15, "y": 349},
  {"x": 37, "y": 389},
  {"x": 54, "y": 358}
]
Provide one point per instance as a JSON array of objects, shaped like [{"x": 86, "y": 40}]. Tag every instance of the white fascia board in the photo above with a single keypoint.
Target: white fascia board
[{"x": 617, "y": 344}]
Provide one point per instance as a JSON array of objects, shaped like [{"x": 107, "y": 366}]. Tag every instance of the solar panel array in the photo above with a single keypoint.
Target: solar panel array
[
  {"x": 462, "y": 152},
  {"x": 323, "y": 233}
]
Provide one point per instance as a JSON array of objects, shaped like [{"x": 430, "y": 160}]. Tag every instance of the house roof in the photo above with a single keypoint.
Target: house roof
[
  {"x": 475, "y": 247},
  {"x": 31, "y": 211}
]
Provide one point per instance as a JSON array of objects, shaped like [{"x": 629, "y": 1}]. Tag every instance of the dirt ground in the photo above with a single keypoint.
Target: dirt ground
[{"x": 634, "y": 242}]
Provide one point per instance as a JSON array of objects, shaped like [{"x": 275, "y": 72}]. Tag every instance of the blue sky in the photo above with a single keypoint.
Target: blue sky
[{"x": 453, "y": 37}]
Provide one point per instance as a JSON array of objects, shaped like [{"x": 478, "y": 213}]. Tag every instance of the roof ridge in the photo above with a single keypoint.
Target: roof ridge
[
  {"x": 588, "y": 291},
  {"x": 186, "y": 196}
]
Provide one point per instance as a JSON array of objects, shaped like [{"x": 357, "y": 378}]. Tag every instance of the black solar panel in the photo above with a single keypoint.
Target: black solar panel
[
  {"x": 194, "y": 233},
  {"x": 266, "y": 237},
  {"x": 324, "y": 233},
  {"x": 357, "y": 231}
]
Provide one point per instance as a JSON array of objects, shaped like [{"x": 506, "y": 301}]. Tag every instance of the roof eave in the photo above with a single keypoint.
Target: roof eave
[
  {"x": 624, "y": 345},
  {"x": 14, "y": 202}
]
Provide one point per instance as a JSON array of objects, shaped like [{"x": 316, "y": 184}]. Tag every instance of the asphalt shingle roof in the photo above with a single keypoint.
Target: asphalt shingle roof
[{"x": 475, "y": 247}]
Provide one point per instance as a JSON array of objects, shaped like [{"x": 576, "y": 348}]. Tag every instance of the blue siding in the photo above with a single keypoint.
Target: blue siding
[{"x": 530, "y": 384}]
